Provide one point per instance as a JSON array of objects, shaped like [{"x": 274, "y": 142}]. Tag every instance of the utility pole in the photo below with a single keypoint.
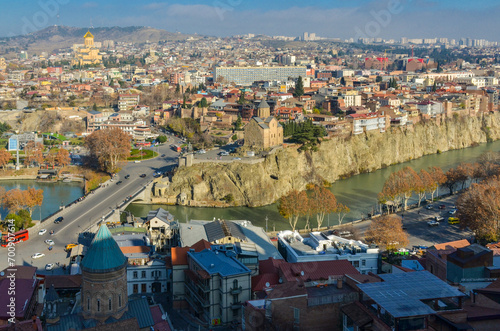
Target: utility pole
[{"x": 266, "y": 222}]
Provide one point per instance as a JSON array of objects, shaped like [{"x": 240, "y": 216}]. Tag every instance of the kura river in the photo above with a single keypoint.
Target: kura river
[
  {"x": 55, "y": 195},
  {"x": 359, "y": 193}
]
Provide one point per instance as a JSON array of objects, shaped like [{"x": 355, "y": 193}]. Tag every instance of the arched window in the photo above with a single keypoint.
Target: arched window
[
  {"x": 235, "y": 284},
  {"x": 119, "y": 300},
  {"x": 88, "y": 303},
  {"x": 98, "y": 305},
  {"x": 109, "y": 303}
]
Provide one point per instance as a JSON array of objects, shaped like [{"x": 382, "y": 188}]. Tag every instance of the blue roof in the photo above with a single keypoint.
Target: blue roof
[
  {"x": 103, "y": 255},
  {"x": 219, "y": 263}
]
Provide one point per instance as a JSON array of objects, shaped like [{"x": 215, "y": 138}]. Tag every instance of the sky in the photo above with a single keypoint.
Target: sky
[{"x": 388, "y": 19}]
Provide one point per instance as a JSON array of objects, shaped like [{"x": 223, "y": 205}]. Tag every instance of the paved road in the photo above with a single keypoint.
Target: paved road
[
  {"x": 419, "y": 232},
  {"x": 82, "y": 215}
]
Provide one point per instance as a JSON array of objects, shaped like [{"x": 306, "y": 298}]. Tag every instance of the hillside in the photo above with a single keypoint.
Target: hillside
[
  {"x": 59, "y": 37},
  {"x": 206, "y": 184}
]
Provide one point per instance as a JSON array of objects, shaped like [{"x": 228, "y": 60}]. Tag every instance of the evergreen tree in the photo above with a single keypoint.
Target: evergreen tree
[
  {"x": 177, "y": 89},
  {"x": 184, "y": 102},
  {"x": 241, "y": 100},
  {"x": 299, "y": 88},
  {"x": 203, "y": 103},
  {"x": 434, "y": 87},
  {"x": 94, "y": 107},
  {"x": 237, "y": 124}
]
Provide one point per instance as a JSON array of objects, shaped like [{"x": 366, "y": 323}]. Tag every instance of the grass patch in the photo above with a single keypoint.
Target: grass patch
[{"x": 135, "y": 154}]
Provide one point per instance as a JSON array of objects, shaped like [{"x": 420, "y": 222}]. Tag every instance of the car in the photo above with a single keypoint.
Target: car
[
  {"x": 49, "y": 266},
  {"x": 201, "y": 151},
  {"x": 37, "y": 255},
  {"x": 224, "y": 153},
  {"x": 453, "y": 220},
  {"x": 433, "y": 223},
  {"x": 429, "y": 207},
  {"x": 59, "y": 220},
  {"x": 69, "y": 247},
  {"x": 452, "y": 212},
  {"x": 119, "y": 182},
  {"x": 442, "y": 206},
  {"x": 127, "y": 176},
  {"x": 49, "y": 242},
  {"x": 439, "y": 218},
  {"x": 156, "y": 175},
  {"x": 163, "y": 155},
  {"x": 142, "y": 175},
  {"x": 42, "y": 232},
  {"x": 236, "y": 158}
]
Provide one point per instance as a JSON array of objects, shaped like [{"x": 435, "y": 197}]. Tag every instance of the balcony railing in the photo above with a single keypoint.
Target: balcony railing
[
  {"x": 204, "y": 302},
  {"x": 236, "y": 305},
  {"x": 236, "y": 290}
]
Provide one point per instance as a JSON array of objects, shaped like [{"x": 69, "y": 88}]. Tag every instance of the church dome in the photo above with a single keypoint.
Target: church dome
[{"x": 103, "y": 255}]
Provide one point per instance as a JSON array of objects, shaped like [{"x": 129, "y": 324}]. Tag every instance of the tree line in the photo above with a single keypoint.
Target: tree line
[
  {"x": 316, "y": 201},
  {"x": 20, "y": 204},
  {"x": 33, "y": 155}
]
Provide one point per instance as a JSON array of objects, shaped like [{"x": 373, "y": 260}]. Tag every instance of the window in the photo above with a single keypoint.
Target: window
[
  {"x": 355, "y": 264},
  {"x": 296, "y": 315},
  {"x": 152, "y": 274},
  {"x": 88, "y": 303},
  {"x": 119, "y": 300},
  {"x": 134, "y": 275},
  {"x": 363, "y": 262},
  {"x": 98, "y": 305},
  {"x": 143, "y": 274},
  {"x": 235, "y": 284},
  {"x": 143, "y": 288},
  {"x": 109, "y": 303},
  {"x": 136, "y": 288}
]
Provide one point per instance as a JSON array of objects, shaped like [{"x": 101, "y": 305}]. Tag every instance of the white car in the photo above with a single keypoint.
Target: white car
[
  {"x": 429, "y": 207},
  {"x": 452, "y": 212},
  {"x": 433, "y": 223},
  {"x": 201, "y": 151},
  {"x": 42, "y": 232},
  {"x": 49, "y": 266},
  {"x": 49, "y": 242},
  {"x": 37, "y": 255}
]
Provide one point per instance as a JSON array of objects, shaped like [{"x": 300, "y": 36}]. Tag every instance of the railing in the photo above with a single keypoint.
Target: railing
[
  {"x": 237, "y": 290},
  {"x": 202, "y": 301}
]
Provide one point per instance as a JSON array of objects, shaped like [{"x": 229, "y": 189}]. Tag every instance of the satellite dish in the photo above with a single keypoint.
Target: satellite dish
[
  {"x": 302, "y": 273},
  {"x": 281, "y": 280},
  {"x": 267, "y": 284}
]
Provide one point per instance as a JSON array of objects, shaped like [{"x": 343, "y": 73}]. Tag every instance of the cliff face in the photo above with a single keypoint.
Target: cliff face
[{"x": 263, "y": 183}]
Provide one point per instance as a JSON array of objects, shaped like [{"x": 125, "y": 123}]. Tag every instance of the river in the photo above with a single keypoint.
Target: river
[
  {"x": 54, "y": 195},
  {"x": 359, "y": 193}
]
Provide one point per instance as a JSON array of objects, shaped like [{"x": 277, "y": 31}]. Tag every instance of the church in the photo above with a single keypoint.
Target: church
[
  {"x": 263, "y": 131},
  {"x": 88, "y": 53}
]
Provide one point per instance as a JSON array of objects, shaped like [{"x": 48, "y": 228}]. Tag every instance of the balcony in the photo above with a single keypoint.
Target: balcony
[
  {"x": 236, "y": 305},
  {"x": 194, "y": 294},
  {"x": 236, "y": 290}
]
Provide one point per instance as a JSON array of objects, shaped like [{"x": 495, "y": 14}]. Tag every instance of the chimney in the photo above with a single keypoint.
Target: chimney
[{"x": 339, "y": 283}]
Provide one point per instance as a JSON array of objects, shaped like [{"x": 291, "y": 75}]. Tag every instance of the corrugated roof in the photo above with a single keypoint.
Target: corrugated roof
[
  {"x": 140, "y": 309},
  {"x": 452, "y": 244},
  {"x": 214, "y": 231},
  {"x": 218, "y": 263},
  {"x": 103, "y": 255}
]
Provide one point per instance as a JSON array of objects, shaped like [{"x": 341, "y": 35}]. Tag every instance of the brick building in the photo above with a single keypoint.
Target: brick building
[{"x": 262, "y": 134}]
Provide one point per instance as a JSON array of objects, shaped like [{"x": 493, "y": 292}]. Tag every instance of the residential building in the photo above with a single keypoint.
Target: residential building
[
  {"x": 470, "y": 262},
  {"x": 263, "y": 133},
  {"x": 128, "y": 101},
  {"x": 327, "y": 247},
  {"x": 3, "y": 65},
  {"x": 436, "y": 257},
  {"x": 216, "y": 286},
  {"x": 367, "y": 122},
  {"x": 247, "y": 75}
]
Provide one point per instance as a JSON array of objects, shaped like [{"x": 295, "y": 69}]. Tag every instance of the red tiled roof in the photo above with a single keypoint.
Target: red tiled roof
[
  {"x": 179, "y": 255},
  {"x": 452, "y": 244},
  {"x": 259, "y": 282},
  {"x": 270, "y": 266},
  {"x": 201, "y": 245},
  {"x": 63, "y": 281}
]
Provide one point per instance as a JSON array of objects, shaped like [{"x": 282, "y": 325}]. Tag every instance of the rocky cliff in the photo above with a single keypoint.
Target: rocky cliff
[{"x": 258, "y": 184}]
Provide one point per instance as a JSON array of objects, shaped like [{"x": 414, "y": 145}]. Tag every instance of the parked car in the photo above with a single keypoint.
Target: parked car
[
  {"x": 433, "y": 223},
  {"x": 142, "y": 175},
  {"x": 127, "y": 176},
  {"x": 453, "y": 220},
  {"x": 201, "y": 151},
  {"x": 49, "y": 242},
  {"x": 49, "y": 266},
  {"x": 224, "y": 153},
  {"x": 429, "y": 207},
  {"x": 439, "y": 218},
  {"x": 59, "y": 220},
  {"x": 42, "y": 232},
  {"x": 37, "y": 255},
  {"x": 442, "y": 206},
  {"x": 236, "y": 158},
  {"x": 119, "y": 182},
  {"x": 69, "y": 247},
  {"x": 452, "y": 212}
]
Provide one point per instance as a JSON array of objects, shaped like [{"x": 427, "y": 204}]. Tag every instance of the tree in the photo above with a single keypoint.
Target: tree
[
  {"x": 62, "y": 157},
  {"x": 33, "y": 153},
  {"x": 203, "y": 103},
  {"x": 4, "y": 157},
  {"x": 387, "y": 232},
  {"x": 378, "y": 79},
  {"x": 161, "y": 139},
  {"x": 434, "y": 87},
  {"x": 238, "y": 123},
  {"x": 478, "y": 208},
  {"x": 94, "y": 107},
  {"x": 50, "y": 159},
  {"x": 299, "y": 88},
  {"x": 453, "y": 177},
  {"x": 177, "y": 90},
  {"x": 107, "y": 147},
  {"x": 322, "y": 202},
  {"x": 439, "y": 179},
  {"x": 341, "y": 211},
  {"x": 13, "y": 200},
  {"x": 291, "y": 206},
  {"x": 428, "y": 185},
  {"x": 241, "y": 99},
  {"x": 32, "y": 198}
]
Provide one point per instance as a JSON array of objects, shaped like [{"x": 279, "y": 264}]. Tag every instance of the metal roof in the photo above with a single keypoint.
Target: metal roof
[
  {"x": 140, "y": 309},
  {"x": 219, "y": 263},
  {"x": 401, "y": 294},
  {"x": 103, "y": 255}
]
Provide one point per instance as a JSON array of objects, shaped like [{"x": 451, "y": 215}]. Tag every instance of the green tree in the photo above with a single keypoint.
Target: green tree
[
  {"x": 299, "y": 88},
  {"x": 94, "y": 107},
  {"x": 434, "y": 87},
  {"x": 241, "y": 100},
  {"x": 238, "y": 123},
  {"x": 203, "y": 103},
  {"x": 161, "y": 139},
  {"x": 378, "y": 79}
]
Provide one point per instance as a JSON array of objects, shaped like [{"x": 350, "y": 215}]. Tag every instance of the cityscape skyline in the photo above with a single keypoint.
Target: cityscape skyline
[{"x": 391, "y": 19}]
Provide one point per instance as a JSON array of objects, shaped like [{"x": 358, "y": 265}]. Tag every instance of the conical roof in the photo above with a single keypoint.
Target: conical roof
[
  {"x": 88, "y": 35},
  {"x": 264, "y": 104},
  {"x": 51, "y": 294},
  {"x": 103, "y": 255}
]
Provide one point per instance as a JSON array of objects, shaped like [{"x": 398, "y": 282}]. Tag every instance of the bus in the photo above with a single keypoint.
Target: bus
[
  {"x": 176, "y": 148},
  {"x": 17, "y": 237}
]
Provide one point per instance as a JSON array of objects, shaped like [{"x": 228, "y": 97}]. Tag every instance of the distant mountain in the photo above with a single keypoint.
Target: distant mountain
[{"x": 59, "y": 37}]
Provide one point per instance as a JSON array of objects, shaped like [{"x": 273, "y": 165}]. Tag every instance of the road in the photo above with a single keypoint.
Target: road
[{"x": 80, "y": 216}]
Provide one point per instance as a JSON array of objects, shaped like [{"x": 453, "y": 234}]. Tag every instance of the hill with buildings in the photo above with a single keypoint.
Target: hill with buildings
[{"x": 60, "y": 37}]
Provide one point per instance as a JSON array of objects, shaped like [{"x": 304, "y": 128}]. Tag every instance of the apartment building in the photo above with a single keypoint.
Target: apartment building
[
  {"x": 367, "y": 122},
  {"x": 128, "y": 101},
  {"x": 247, "y": 75}
]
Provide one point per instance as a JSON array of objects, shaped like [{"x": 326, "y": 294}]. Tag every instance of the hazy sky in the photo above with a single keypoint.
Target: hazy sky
[{"x": 329, "y": 18}]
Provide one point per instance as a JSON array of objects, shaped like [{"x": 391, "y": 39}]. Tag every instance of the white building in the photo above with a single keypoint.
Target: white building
[
  {"x": 150, "y": 277},
  {"x": 322, "y": 247},
  {"x": 367, "y": 122}
]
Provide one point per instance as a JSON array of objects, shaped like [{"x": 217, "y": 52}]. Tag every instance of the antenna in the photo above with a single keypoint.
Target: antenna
[{"x": 91, "y": 26}]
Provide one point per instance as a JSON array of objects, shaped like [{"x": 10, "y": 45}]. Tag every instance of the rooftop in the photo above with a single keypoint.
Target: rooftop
[
  {"x": 103, "y": 255},
  {"x": 218, "y": 263}
]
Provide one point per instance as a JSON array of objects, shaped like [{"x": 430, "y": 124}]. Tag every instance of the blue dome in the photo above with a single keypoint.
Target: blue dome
[{"x": 103, "y": 255}]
